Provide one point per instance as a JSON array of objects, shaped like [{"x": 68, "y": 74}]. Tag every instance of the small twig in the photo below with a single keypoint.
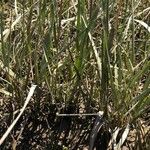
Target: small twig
[{"x": 100, "y": 113}]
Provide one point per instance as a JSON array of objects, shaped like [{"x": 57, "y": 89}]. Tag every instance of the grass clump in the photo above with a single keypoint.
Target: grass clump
[{"x": 84, "y": 57}]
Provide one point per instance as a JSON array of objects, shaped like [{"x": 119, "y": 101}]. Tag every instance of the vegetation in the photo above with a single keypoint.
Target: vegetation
[{"x": 85, "y": 56}]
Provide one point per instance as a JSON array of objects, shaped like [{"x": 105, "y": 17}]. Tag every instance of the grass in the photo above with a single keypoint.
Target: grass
[{"x": 84, "y": 56}]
